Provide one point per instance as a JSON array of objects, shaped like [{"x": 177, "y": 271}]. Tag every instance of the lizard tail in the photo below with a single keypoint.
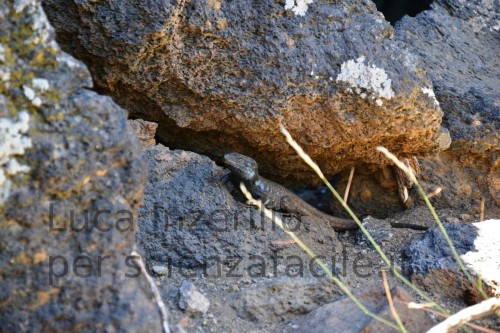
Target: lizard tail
[{"x": 339, "y": 224}]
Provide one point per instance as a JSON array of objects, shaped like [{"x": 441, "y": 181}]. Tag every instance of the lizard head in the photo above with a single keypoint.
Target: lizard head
[{"x": 241, "y": 166}]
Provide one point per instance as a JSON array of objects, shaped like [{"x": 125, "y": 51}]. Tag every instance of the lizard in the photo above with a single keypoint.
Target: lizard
[{"x": 275, "y": 196}]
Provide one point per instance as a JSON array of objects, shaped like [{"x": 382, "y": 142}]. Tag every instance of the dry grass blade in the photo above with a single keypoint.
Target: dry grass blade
[
  {"x": 156, "y": 292},
  {"x": 411, "y": 175},
  {"x": 386, "y": 260},
  {"x": 425, "y": 307},
  {"x": 408, "y": 171},
  {"x": 391, "y": 303},
  {"x": 479, "y": 310},
  {"x": 277, "y": 220},
  {"x": 435, "y": 192}
]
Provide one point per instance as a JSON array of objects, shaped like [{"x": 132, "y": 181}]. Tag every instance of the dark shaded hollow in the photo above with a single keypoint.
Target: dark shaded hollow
[{"x": 395, "y": 10}]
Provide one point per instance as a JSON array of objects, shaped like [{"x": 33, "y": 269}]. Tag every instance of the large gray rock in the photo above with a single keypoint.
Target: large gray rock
[
  {"x": 459, "y": 44},
  {"x": 344, "y": 316},
  {"x": 64, "y": 150},
  {"x": 190, "y": 219},
  {"x": 284, "y": 298},
  {"x": 217, "y": 76},
  {"x": 431, "y": 263},
  {"x": 458, "y": 41}
]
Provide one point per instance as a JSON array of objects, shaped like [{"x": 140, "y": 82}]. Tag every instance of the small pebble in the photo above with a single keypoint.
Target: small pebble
[
  {"x": 465, "y": 217},
  {"x": 191, "y": 299},
  {"x": 160, "y": 270},
  {"x": 246, "y": 282}
]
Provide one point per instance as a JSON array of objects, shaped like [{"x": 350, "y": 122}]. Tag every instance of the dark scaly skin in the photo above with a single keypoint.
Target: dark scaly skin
[
  {"x": 274, "y": 196},
  {"x": 277, "y": 197}
]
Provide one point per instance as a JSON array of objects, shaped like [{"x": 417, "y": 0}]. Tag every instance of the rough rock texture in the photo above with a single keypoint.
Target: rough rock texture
[
  {"x": 194, "y": 228},
  {"x": 459, "y": 43},
  {"x": 380, "y": 230},
  {"x": 191, "y": 299},
  {"x": 431, "y": 264},
  {"x": 466, "y": 80},
  {"x": 217, "y": 75},
  {"x": 67, "y": 151},
  {"x": 144, "y": 131},
  {"x": 345, "y": 316},
  {"x": 285, "y": 297},
  {"x": 200, "y": 224}
]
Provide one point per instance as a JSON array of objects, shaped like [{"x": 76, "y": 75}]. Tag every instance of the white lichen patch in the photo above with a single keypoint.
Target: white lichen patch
[
  {"x": 2, "y": 53},
  {"x": 29, "y": 93},
  {"x": 410, "y": 60},
  {"x": 13, "y": 142},
  {"x": 299, "y": 7},
  {"x": 496, "y": 26},
  {"x": 429, "y": 92},
  {"x": 371, "y": 78},
  {"x": 54, "y": 47},
  {"x": 41, "y": 28},
  {"x": 40, "y": 84},
  {"x": 4, "y": 74}
]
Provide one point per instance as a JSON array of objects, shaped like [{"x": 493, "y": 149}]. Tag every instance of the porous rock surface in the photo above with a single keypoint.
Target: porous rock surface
[
  {"x": 458, "y": 43},
  {"x": 284, "y": 297},
  {"x": 345, "y": 316},
  {"x": 431, "y": 264},
  {"x": 448, "y": 39},
  {"x": 67, "y": 150},
  {"x": 217, "y": 76},
  {"x": 191, "y": 219}
]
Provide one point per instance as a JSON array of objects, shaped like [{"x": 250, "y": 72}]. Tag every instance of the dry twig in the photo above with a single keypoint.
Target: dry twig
[
  {"x": 156, "y": 292},
  {"x": 481, "y": 216},
  {"x": 391, "y": 303},
  {"x": 479, "y": 310},
  {"x": 426, "y": 307},
  {"x": 346, "y": 194}
]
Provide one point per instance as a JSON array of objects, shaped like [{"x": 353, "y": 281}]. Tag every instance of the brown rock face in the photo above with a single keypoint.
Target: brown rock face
[{"x": 218, "y": 77}]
